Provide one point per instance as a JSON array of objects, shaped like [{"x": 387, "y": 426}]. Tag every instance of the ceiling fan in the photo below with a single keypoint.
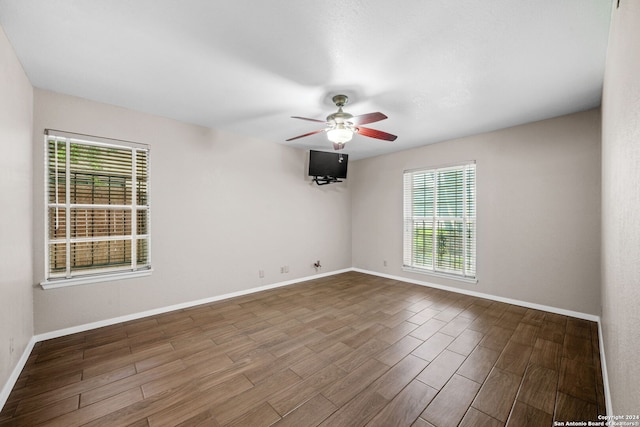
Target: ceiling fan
[{"x": 340, "y": 126}]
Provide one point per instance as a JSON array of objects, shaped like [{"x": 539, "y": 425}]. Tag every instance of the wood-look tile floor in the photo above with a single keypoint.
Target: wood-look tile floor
[{"x": 346, "y": 350}]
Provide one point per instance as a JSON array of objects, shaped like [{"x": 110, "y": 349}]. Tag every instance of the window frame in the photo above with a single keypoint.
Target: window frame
[
  {"x": 72, "y": 276},
  {"x": 467, "y": 219}
]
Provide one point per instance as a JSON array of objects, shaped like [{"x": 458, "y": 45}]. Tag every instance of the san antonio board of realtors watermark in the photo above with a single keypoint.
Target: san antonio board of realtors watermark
[{"x": 604, "y": 420}]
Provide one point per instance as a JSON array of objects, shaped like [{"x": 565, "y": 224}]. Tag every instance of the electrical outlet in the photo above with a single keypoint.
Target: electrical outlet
[
  {"x": 384, "y": 262},
  {"x": 11, "y": 346},
  {"x": 286, "y": 268},
  {"x": 261, "y": 274},
  {"x": 281, "y": 270}
]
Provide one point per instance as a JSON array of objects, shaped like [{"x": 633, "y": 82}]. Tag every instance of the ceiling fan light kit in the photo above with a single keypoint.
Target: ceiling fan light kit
[
  {"x": 340, "y": 126},
  {"x": 340, "y": 134}
]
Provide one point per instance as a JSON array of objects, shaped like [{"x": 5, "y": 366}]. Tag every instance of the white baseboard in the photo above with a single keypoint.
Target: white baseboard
[
  {"x": 551, "y": 309},
  {"x": 139, "y": 315},
  {"x": 8, "y": 386},
  {"x": 11, "y": 381},
  {"x": 605, "y": 376}
]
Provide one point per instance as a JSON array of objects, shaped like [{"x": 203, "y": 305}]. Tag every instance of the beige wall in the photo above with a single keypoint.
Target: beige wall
[
  {"x": 621, "y": 209},
  {"x": 16, "y": 117},
  {"x": 538, "y": 192},
  {"x": 223, "y": 207}
]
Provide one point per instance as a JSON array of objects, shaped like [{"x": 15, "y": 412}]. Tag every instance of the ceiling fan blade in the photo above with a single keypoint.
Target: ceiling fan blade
[
  {"x": 311, "y": 120},
  {"x": 367, "y": 118},
  {"x": 306, "y": 134},
  {"x": 378, "y": 134}
]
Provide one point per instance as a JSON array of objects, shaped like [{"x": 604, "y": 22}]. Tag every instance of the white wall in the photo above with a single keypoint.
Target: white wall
[
  {"x": 621, "y": 208},
  {"x": 538, "y": 192},
  {"x": 223, "y": 207},
  {"x": 16, "y": 117}
]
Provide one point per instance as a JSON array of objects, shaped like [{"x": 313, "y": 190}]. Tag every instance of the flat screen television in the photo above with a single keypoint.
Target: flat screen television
[{"x": 326, "y": 164}]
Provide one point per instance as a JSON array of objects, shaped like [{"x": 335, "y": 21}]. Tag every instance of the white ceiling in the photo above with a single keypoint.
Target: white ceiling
[{"x": 440, "y": 69}]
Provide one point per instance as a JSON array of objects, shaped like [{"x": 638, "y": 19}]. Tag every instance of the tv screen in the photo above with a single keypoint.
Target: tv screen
[{"x": 322, "y": 163}]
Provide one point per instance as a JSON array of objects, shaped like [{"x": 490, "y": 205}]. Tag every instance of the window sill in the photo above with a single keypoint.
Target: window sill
[
  {"x": 63, "y": 283},
  {"x": 442, "y": 275}
]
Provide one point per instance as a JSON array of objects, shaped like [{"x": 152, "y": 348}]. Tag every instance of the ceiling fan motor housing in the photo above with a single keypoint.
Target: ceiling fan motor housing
[{"x": 339, "y": 117}]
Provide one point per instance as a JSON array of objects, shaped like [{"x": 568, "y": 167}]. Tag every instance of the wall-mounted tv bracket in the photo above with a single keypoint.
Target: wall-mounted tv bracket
[{"x": 324, "y": 180}]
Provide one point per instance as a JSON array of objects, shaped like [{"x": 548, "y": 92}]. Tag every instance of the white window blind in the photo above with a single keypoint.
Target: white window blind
[
  {"x": 440, "y": 220},
  {"x": 97, "y": 198}
]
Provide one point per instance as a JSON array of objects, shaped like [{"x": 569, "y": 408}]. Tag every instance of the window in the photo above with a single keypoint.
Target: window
[
  {"x": 97, "y": 199},
  {"x": 440, "y": 221}
]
